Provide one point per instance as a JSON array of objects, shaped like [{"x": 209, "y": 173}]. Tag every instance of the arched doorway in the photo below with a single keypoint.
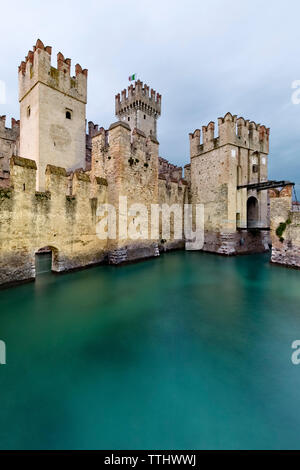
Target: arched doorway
[
  {"x": 252, "y": 212},
  {"x": 45, "y": 259}
]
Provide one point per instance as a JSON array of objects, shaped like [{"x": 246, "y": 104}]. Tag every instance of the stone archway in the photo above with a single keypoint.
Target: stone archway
[
  {"x": 252, "y": 212},
  {"x": 50, "y": 261}
]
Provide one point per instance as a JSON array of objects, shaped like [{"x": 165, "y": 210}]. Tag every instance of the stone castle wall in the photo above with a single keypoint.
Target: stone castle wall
[
  {"x": 129, "y": 162},
  {"x": 285, "y": 237},
  {"x": 9, "y": 146},
  {"x": 124, "y": 162},
  {"x": 169, "y": 170},
  {"x": 64, "y": 217},
  {"x": 236, "y": 157},
  {"x": 172, "y": 192},
  {"x": 32, "y": 220}
]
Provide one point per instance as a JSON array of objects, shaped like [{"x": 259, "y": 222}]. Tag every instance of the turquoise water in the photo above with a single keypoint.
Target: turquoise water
[{"x": 187, "y": 351}]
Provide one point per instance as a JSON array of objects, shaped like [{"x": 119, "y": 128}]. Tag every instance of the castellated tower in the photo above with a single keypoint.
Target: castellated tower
[
  {"x": 52, "y": 111},
  {"x": 226, "y": 172},
  {"x": 140, "y": 108}
]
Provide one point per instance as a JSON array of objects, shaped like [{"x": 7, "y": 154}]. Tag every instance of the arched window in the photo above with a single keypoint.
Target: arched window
[{"x": 68, "y": 114}]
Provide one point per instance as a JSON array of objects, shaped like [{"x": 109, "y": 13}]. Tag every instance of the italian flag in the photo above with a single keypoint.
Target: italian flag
[{"x": 132, "y": 77}]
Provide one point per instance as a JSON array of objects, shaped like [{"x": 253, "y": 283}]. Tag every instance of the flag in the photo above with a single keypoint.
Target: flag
[{"x": 132, "y": 77}]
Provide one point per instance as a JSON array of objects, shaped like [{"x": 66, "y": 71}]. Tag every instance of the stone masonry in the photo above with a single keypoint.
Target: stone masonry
[
  {"x": 9, "y": 146},
  {"x": 285, "y": 228},
  {"x": 235, "y": 218},
  {"x": 139, "y": 107},
  {"x": 55, "y": 183},
  {"x": 52, "y": 111},
  {"x": 31, "y": 220}
]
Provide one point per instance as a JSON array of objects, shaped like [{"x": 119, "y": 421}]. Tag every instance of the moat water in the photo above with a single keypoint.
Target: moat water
[{"x": 187, "y": 351}]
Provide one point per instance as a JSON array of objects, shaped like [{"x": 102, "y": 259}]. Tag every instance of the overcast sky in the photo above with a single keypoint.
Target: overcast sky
[{"x": 205, "y": 58}]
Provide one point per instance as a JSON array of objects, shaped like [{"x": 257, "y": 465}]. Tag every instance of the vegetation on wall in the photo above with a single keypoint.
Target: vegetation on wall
[
  {"x": 5, "y": 193},
  {"x": 281, "y": 229}
]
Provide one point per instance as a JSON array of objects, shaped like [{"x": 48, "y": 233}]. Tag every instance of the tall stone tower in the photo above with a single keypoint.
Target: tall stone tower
[
  {"x": 226, "y": 172},
  {"x": 52, "y": 111},
  {"x": 139, "y": 108}
]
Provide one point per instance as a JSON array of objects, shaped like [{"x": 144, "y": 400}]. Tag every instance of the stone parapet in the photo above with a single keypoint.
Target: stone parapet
[
  {"x": 231, "y": 130},
  {"x": 36, "y": 68}
]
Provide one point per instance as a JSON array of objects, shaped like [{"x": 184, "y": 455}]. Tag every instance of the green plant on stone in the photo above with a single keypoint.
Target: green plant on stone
[{"x": 281, "y": 229}]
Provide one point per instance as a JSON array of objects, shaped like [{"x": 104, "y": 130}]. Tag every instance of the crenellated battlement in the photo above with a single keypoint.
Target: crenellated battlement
[
  {"x": 138, "y": 96},
  {"x": 231, "y": 130},
  {"x": 15, "y": 125},
  {"x": 9, "y": 145},
  {"x": 169, "y": 170},
  {"x": 36, "y": 68},
  {"x": 9, "y": 134},
  {"x": 59, "y": 183},
  {"x": 139, "y": 107}
]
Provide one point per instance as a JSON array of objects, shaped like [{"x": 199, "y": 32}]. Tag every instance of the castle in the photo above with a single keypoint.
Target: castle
[{"x": 54, "y": 176}]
